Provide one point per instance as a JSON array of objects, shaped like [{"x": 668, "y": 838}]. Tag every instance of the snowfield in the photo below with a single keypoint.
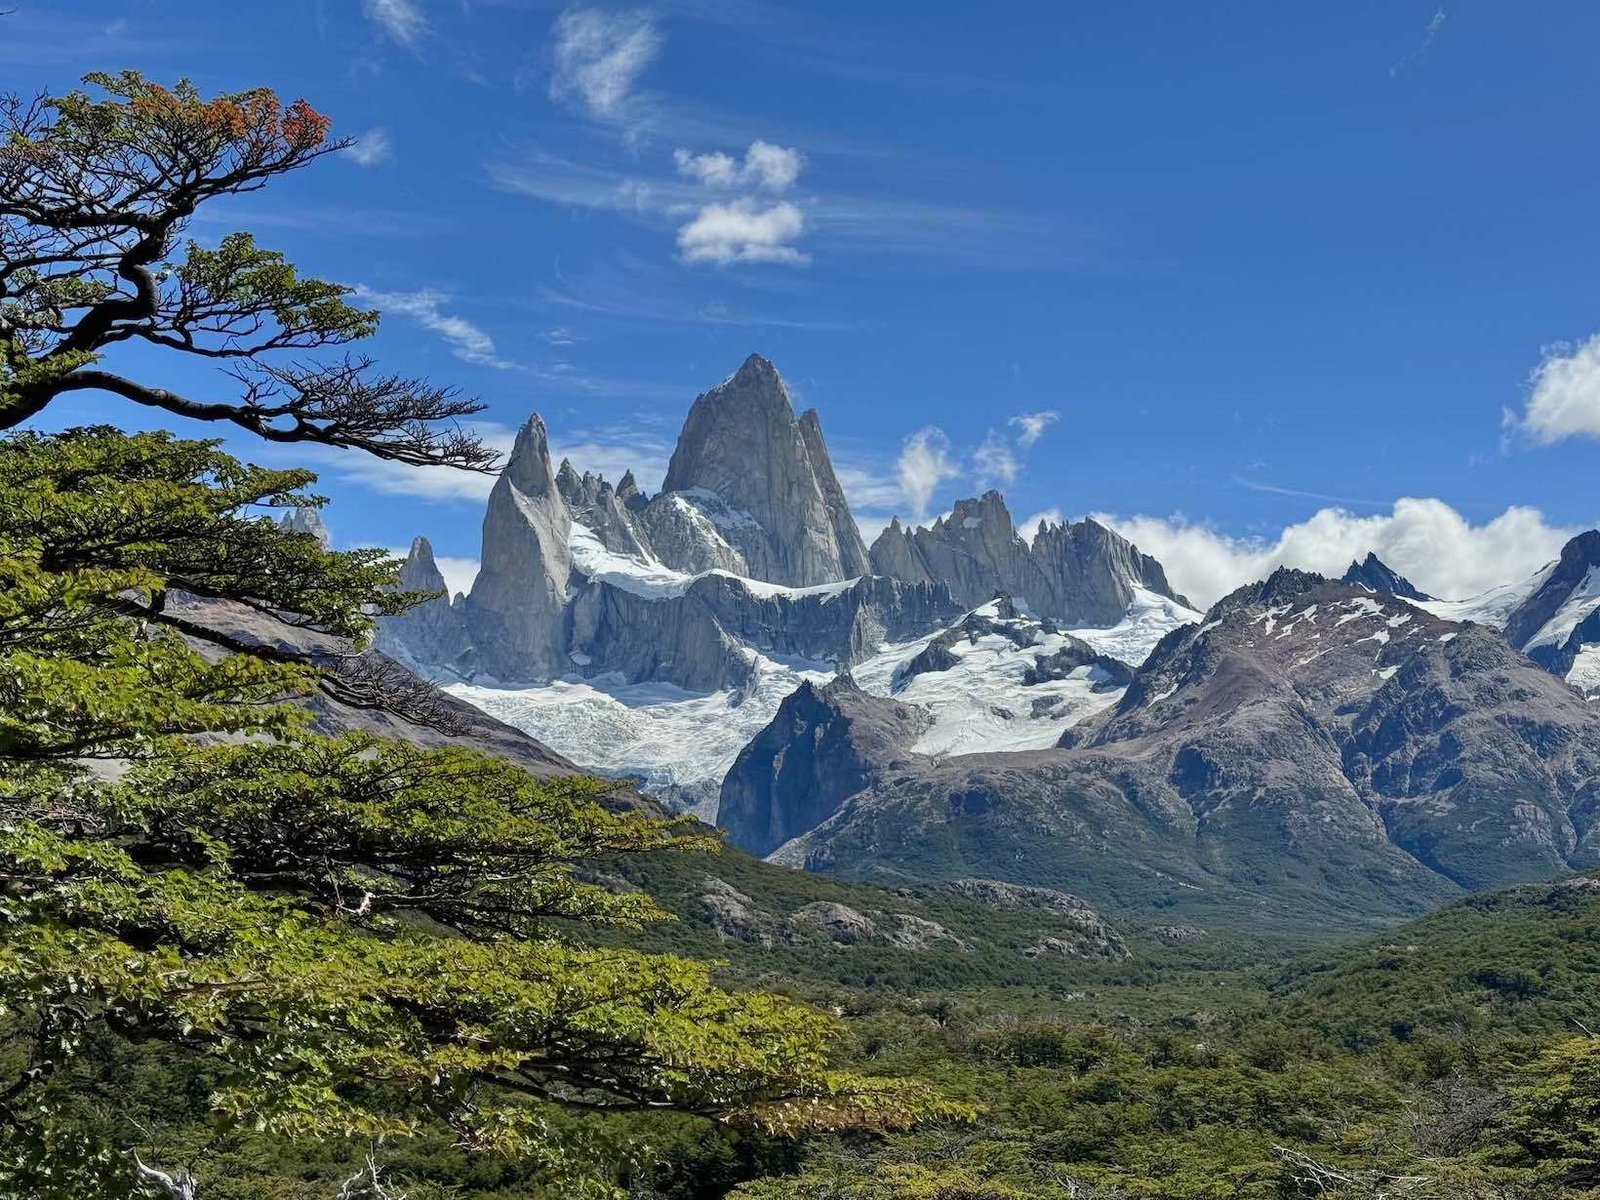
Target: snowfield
[
  {"x": 680, "y": 744},
  {"x": 1492, "y": 608}
]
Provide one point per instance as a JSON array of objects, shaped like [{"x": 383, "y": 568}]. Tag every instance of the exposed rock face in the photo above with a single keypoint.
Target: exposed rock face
[
  {"x": 593, "y": 503},
  {"x": 434, "y": 634},
  {"x": 681, "y": 535},
  {"x": 824, "y": 745},
  {"x": 767, "y": 481},
  {"x": 1558, "y": 625},
  {"x": 306, "y": 519},
  {"x": 1376, "y": 576},
  {"x": 701, "y": 638},
  {"x": 1092, "y": 938},
  {"x": 1078, "y": 574},
  {"x": 516, "y": 612},
  {"x": 837, "y": 922},
  {"x": 733, "y": 914},
  {"x": 1318, "y": 747}
]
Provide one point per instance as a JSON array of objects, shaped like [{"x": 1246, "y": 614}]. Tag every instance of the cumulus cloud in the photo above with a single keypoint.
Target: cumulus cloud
[
  {"x": 744, "y": 230},
  {"x": 924, "y": 464},
  {"x": 1427, "y": 541},
  {"x": 402, "y": 20},
  {"x": 1565, "y": 400},
  {"x": 994, "y": 462},
  {"x": 371, "y": 149},
  {"x": 598, "y": 57},
  {"x": 766, "y": 166},
  {"x": 426, "y": 307},
  {"x": 1031, "y": 426}
]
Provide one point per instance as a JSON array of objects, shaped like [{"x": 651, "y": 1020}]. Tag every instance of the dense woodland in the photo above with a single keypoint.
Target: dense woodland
[{"x": 244, "y": 954}]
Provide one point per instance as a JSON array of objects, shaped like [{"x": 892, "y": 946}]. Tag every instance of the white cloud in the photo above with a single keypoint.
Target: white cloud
[
  {"x": 599, "y": 56},
  {"x": 766, "y": 166},
  {"x": 1565, "y": 401},
  {"x": 1031, "y": 426},
  {"x": 994, "y": 462},
  {"x": 743, "y": 231},
  {"x": 467, "y": 342},
  {"x": 924, "y": 463},
  {"x": 402, "y": 20},
  {"x": 1427, "y": 541},
  {"x": 371, "y": 149}
]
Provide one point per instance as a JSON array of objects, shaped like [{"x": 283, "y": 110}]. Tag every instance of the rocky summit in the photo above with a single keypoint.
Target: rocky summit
[{"x": 1078, "y": 574}]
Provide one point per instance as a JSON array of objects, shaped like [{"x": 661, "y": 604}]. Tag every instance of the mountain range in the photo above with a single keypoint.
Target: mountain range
[{"x": 961, "y": 700}]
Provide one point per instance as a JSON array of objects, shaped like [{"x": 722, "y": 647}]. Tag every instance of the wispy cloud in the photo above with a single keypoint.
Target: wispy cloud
[
  {"x": 851, "y": 224},
  {"x": 371, "y": 149},
  {"x": 597, "y": 58},
  {"x": 1275, "y": 489},
  {"x": 403, "y": 21},
  {"x": 995, "y": 462},
  {"x": 1564, "y": 401},
  {"x": 924, "y": 463},
  {"x": 467, "y": 341},
  {"x": 1430, "y": 32},
  {"x": 1031, "y": 426}
]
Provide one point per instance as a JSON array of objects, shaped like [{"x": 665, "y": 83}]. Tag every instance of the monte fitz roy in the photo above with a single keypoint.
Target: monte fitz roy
[{"x": 1042, "y": 707}]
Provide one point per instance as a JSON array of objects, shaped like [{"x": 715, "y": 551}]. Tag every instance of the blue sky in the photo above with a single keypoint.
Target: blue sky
[{"x": 1260, "y": 260}]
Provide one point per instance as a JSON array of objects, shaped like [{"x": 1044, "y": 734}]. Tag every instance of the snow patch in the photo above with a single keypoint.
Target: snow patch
[{"x": 1585, "y": 673}]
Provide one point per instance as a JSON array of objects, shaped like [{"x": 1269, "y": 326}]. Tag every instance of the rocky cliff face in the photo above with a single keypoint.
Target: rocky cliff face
[
  {"x": 1312, "y": 749},
  {"x": 1079, "y": 574},
  {"x": 701, "y": 638},
  {"x": 825, "y": 745},
  {"x": 1557, "y": 621},
  {"x": 433, "y": 636},
  {"x": 516, "y": 612},
  {"x": 764, "y": 478}
]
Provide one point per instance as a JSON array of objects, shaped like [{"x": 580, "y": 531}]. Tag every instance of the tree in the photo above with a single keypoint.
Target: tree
[
  {"x": 96, "y": 192},
  {"x": 356, "y": 936}
]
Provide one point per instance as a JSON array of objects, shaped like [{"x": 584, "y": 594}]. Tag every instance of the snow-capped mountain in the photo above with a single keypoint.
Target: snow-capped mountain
[
  {"x": 654, "y": 636},
  {"x": 1311, "y": 745}
]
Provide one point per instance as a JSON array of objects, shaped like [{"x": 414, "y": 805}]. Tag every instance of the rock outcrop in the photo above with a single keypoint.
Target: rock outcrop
[
  {"x": 1561, "y": 618},
  {"x": 764, "y": 478},
  {"x": 1079, "y": 574},
  {"x": 432, "y": 636},
  {"x": 517, "y": 609},
  {"x": 825, "y": 745}
]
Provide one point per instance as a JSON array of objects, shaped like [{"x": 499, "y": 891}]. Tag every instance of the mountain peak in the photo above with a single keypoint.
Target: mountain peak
[
  {"x": 772, "y": 474},
  {"x": 1375, "y": 575},
  {"x": 306, "y": 519},
  {"x": 528, "y": 468}
]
